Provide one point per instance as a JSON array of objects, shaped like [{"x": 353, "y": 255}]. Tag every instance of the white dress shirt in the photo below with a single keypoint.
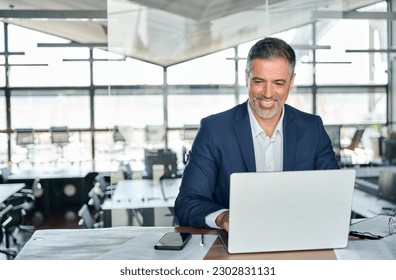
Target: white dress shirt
[
  {"x": 268, "y": 151},
  {"x": 268, "y": 154}
]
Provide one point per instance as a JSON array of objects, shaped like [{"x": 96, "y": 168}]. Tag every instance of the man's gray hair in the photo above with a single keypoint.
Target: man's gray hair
[{"x": 268, "y": 48}]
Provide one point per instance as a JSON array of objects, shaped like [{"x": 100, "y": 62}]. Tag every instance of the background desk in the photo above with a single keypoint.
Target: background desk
[
  {"x": 141, "y": 194},
  {"x": 367, "y": 205},
  {"x": 88, "y": 244},
  {"x": 366, "y": 202},
  {"x": 7, "y": 190},
  {"x": 54, "y": 182}
]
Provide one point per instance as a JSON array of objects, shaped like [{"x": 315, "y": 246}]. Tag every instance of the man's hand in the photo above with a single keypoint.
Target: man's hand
[{"x": 222, "y": 220}]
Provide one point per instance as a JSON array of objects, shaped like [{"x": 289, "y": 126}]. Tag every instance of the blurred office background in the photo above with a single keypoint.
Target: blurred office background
[{"x": 103, "y": 86}]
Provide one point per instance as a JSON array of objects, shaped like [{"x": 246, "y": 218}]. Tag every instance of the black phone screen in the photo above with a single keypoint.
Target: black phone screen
[{"x": 173, "y": 241}]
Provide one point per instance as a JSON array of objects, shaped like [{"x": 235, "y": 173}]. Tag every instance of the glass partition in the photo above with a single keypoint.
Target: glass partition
[{"x": 41, "y": 109}]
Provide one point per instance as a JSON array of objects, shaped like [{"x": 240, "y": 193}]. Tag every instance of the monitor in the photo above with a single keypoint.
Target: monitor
[
  {"x": 189, "y": 132},
  {"x": 117, "y": 135},
  {"x": 59, "y": 134},
  {"x": 389, "y": 149},
  {"x": 387, "y": 185},
  {"x": 155, "y": 134},
  {"x": 357, "y": 137},
  {"x": 165, "y": 157}
]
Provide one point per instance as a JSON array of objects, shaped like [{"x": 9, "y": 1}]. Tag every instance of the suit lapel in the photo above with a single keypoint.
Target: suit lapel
[
  {"x": 289, "y": 140},
  {"x": 244, "y": 136}
]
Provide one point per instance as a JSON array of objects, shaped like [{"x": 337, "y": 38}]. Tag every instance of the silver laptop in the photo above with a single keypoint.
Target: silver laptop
[{"x": 287, "y": 211}]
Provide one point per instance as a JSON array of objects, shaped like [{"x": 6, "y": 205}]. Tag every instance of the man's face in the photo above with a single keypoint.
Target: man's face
[{"x": 269, "y": 84}]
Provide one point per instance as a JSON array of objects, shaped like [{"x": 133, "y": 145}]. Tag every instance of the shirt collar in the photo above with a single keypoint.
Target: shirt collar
[{"x": 256, "y": 128}]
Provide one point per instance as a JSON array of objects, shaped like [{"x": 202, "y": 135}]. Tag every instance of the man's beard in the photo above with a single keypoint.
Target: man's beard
[{"x": 264, "y": 112}]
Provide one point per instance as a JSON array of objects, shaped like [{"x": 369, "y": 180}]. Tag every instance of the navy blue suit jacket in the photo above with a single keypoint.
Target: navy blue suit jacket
[{"x": 224, "y": 145}]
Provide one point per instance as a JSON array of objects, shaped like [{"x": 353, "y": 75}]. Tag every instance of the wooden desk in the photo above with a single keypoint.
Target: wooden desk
[
  {"x": 88, "y": 244},
  {"x": 7, "y": 190}
]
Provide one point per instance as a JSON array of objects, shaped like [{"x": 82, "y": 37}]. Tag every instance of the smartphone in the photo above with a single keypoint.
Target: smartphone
[{"x": 173, "y": 241}]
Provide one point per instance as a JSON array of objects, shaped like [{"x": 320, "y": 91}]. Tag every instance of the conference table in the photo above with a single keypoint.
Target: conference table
[
  {"x": 7, "y": 190},
  {"x": 90, "y": 244}
]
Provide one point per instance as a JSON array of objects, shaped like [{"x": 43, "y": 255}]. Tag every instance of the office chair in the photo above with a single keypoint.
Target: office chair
[
  {"x": 11, "y": 224},
  {"x": 96, "y": 203},
  {"x": 165, "y": 157},
  {"x": 20, "y": 203},
  {"x": 25, "y": 138},
  {"x": 118, "y": 140},
  {"x": 126, "y": 171},
  {"x": 4, "y": 173},
  {"x": 5, "y": 219},
  {"x": 60, "y": 137},
  {"x": 86, "y": 218},
  {"x": 102, "y": 186},
  {"x": 105, "y": 183},
  {"x": 25, "y": 200},
  {"x": 117, "y": 135},
  {"x": 37, "y": 188},
  {"x": 154, "y": 134}
]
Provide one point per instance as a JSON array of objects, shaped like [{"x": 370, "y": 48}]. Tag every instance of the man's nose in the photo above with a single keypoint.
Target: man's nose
[{"x": 267, "y": 90}]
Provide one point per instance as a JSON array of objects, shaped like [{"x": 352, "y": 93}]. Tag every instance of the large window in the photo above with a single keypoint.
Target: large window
[
  {"x": 335, "y": 76},
  {"x": 3, "y": 117},
  {"x": 3, "y": 126},
  {"x": 2, "y": 58},
  {"x": 43, "y": 109},
  {"x": 131, "y": 113},
  {"x": 123, "y": 108},
  {"x": 187, "y": 109}
]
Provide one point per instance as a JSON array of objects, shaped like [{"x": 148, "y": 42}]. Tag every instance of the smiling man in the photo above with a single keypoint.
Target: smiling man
[{"x": 261, "y": 135}]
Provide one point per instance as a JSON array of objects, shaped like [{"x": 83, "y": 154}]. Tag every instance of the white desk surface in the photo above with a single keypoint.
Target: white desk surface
[
  {"x": 7, "y": 190},
  {"x": 368, "y": 206},
  {"x": 89, "y": 244},
  {"x": 137, "y": 194},
  {"x": 79, "y": 244}
]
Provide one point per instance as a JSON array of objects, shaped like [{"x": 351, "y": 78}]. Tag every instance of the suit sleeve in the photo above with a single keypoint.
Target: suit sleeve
[{"x": 195, "y": 198}]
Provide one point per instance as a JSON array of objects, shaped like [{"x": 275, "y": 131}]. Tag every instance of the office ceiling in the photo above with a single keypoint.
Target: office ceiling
[{"x": 167, "y": 32}]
